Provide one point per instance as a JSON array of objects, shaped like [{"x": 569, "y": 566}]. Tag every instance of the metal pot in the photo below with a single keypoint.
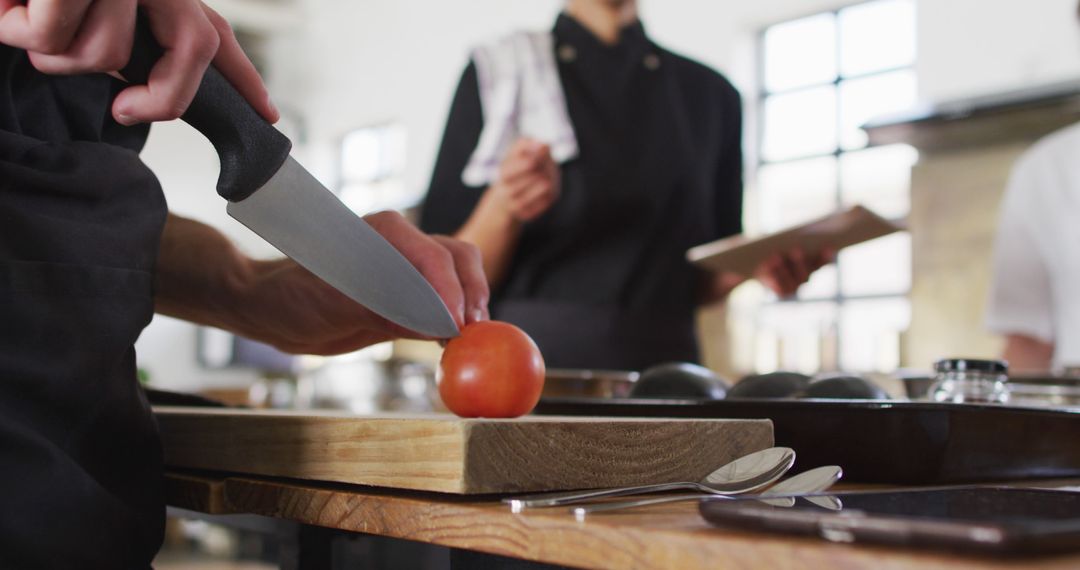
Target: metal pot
[
  {"x": 1044, "y": 391},
  {"x": 367, "y": 386},
  {"x": 584, "y": 383}
]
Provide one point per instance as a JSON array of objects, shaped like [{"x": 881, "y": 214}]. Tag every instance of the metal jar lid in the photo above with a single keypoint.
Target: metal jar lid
[{"x": 971, "y": 365}]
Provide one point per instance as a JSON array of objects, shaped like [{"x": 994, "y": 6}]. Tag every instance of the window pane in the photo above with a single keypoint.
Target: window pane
[
  {"x": 800, "y": 53},
  {"x": 876, "y": 36},
  {"x": 823, "y": 284},
  {"x": 798, "y": 124},
  {"x": 878, "y": 178},
  {"x": 878, "y": 267},
  {"x": 360, "y": 155},
  {"x": 372, "y": 153},
  {"x": 871, "y": 97},
  {"x": 796, "y": 192},
  {"x": 386, "y": 194},
  {"x": 796, "y": 336},
  {"x": 870, "y": 334}
]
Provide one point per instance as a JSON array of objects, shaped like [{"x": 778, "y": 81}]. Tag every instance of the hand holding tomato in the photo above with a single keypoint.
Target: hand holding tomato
[{"x": 492, "y": 370}]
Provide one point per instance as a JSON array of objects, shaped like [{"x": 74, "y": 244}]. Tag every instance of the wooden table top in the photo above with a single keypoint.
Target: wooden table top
[{"x": 658, "y": 537}]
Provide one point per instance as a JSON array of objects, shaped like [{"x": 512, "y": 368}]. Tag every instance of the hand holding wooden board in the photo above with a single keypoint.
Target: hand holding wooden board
[{"x": 742, "y": 255}]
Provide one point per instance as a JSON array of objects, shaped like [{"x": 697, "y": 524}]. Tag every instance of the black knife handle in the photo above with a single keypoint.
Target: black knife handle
[{"x": 251, "y": 150}]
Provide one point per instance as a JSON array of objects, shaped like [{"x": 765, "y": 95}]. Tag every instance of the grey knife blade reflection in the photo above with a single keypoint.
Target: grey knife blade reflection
[
  {"x": 274, "y": 196},
  {"x": 298, "y": 215}
]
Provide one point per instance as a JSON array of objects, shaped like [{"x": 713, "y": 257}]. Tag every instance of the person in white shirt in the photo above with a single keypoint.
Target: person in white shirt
[{"x": 1035, "y": 294}]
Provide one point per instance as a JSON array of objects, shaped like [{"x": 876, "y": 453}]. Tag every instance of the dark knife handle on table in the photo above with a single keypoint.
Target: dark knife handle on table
[{"x": 251, "y": 150}]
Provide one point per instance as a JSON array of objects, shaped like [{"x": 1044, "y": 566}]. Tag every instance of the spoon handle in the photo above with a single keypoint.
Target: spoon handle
[
  {"x": 562, "y": 499},
  {"x": 580, "y": 512},
  {"x": 807, "y": 482}
]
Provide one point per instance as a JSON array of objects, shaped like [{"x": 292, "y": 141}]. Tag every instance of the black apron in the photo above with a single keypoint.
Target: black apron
[{"x": 80, "y": 223}]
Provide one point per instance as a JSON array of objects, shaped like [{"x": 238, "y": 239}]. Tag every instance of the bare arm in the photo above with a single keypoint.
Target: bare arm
[
  {"x": 528, "y": 185},
  {"x": 203, "y": 278},
  {"x": 1027, "y": 354},
  {"x": 495, "y": 233}
]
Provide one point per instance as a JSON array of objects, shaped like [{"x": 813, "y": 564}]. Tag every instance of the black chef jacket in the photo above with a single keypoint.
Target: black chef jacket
[
  {"x": 80, "y": 222},
  {"x": 601, "y": 280}
]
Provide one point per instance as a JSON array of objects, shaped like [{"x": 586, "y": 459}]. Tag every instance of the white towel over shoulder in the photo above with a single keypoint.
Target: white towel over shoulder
[{"x": 521, "y": 96}]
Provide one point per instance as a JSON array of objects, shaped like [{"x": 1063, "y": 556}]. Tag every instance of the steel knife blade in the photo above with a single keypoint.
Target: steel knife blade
[
  {"x": 300, "y": 217},
  {"x": 270, "y": 193}
]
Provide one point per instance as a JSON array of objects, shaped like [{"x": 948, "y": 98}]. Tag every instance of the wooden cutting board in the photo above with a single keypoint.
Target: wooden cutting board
[{"x": 454, "y": 455}]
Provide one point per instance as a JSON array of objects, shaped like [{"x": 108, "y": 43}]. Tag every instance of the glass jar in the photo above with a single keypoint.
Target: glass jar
[{"x": 966, "y": 380}]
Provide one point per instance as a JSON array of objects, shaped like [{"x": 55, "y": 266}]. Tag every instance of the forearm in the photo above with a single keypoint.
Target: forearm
[
  {"x": 200, "y": 274},
  {"x": 715, "y": 287},
  {"x": 1027, "y": 354},
  {"x": 203, "y": 278},
  {"x": 495, "y": 232}
]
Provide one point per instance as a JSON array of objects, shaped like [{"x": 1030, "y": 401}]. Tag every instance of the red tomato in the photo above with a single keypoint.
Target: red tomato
[{"x": 492, "y": 370}]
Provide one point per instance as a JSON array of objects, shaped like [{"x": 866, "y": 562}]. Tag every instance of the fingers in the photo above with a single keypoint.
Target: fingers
[
  {"x": 785, "y": 273},
  {"x": 825, "y": 257},
  {"x": 434, "y": 261},
  {"x": 189, "y": 42},
  {"x": 525, "y": 156},
  {"x": 799, "y": 266},
  {"x": 529, "y": 179},
  {"x": 470, "y": 271},
  {"x": 43, "y": 26},
  {"x": 775, "y": 273},
  {"x": 534, "y": 198},
  {"x": 235, "y": 66},
  {"x": 90, "y": 36},
  {"x": 102, "y": 44}
]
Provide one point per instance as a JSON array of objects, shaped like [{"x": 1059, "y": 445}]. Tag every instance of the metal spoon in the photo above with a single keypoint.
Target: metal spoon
[
  {"x": 827, "y": 502},
  {"x": 745, "y": 474},
  {"x": 812, "y": 481}
]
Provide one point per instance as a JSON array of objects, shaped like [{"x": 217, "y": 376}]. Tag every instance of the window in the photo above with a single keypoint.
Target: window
[
  {"x": 822, "y": 77},
  {"x": 372, "y": 169}
]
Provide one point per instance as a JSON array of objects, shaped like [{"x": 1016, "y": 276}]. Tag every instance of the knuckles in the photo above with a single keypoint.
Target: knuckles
[
  {"x": 221, "y": 25},
  {"x": 114, "y": 58},
  {"x": 470, "y": 250},
  {"x": 204, "y": 46},
  {"x": 48, "y": 40},
  {"x": 171, "y": 108},
  {"x": 385, "y": 220}
]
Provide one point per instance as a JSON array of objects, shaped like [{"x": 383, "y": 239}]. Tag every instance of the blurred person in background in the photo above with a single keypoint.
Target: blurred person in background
[
  {"x": 1035, "y": 292},
  {"x": 584, "y": 162}
]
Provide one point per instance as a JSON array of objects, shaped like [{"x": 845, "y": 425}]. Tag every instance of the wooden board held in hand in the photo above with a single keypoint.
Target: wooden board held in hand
[
  {"x": 455, "y": 455},
  {"x": 742, "y": 255}
]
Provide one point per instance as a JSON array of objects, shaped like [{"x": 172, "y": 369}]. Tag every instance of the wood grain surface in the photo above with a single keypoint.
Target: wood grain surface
[
  {"x": 653, "y": 538},
  {"x": 196, "y": 492},
  {"x": 449, "y": 454},
  {"x": 743, "y": 255}
]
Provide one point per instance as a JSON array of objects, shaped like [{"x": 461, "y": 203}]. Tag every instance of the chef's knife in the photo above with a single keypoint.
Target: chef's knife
[{"x": 270, "y": 193}]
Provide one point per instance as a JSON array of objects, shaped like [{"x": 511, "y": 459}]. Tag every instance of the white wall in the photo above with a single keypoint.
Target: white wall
[
  {"x": 966, "y": 47},
  {"x": 971, "y": 47},
  {"x": 187, "y": 168},
  {"x": 349, "y": 63},
  {"x": 371, "y": 61}
]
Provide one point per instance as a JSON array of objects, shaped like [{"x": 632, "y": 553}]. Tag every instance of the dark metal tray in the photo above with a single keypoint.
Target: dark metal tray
[{"x": 911, "y": 443}]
